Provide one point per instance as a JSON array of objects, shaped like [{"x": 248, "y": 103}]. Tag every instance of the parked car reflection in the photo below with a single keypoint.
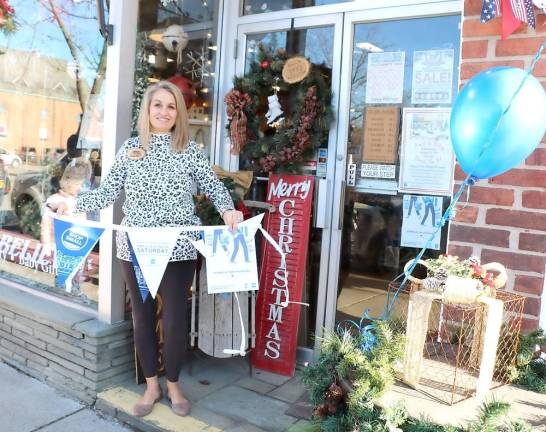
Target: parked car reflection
[{"x": 9, "y": 158}]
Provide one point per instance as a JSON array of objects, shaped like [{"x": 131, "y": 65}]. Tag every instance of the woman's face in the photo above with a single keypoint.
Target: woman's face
[{"x": 162, "y": 111}]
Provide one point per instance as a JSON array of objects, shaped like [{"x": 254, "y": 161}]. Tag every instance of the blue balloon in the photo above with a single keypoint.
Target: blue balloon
[{"x": 483, "y": 149}]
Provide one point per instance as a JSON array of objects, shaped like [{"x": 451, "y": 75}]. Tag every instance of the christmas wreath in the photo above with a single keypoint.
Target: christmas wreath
[{"x": 274, "y": 124}]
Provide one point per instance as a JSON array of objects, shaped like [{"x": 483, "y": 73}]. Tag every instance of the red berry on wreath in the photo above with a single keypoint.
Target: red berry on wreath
[{"x": 265, "y": 64}]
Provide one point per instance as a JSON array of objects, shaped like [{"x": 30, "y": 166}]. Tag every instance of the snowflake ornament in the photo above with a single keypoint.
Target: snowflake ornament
[{"x": 199, "y": 67}]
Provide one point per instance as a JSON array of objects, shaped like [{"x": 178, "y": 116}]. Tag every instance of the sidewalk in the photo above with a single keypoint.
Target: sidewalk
[{"x": 27, "y": 405}]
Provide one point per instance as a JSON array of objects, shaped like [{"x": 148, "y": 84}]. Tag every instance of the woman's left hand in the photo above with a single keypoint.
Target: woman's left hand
[{"x": 232, "y": 218}]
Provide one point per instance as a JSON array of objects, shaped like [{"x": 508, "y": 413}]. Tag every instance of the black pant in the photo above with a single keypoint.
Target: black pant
[{"x": 173, "y": 289}]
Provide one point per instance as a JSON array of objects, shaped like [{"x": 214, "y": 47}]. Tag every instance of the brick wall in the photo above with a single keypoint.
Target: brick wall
[{"x": 505, "y": 220}]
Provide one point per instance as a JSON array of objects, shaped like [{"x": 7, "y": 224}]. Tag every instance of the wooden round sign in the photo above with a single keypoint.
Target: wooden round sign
[{"x": 295, "y": 69}]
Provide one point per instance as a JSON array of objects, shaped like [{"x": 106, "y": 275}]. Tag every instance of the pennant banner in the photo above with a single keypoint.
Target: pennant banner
[
  {"x": 231, "y": 257},
  {"x": 152, "y": 248},
  {"x": 74, "y": 241},
  {"x": 142, "y": 286}
]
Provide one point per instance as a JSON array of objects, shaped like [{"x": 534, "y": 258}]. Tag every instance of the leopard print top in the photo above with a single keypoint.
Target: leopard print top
[{"x": 159, "y": 190}]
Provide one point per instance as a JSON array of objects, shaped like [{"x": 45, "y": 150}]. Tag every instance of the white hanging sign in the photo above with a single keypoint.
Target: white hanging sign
[
  {"x": 231, "y": 257},
  {"x": 153, "y": 248}
]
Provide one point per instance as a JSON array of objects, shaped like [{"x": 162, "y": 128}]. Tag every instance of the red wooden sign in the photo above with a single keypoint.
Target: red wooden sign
[{"x": 276, "y": 325}]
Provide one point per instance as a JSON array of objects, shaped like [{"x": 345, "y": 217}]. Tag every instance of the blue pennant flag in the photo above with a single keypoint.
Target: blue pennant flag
[
  {"x": 73, "y": 242},
  {"x": 143, "y": 288}
]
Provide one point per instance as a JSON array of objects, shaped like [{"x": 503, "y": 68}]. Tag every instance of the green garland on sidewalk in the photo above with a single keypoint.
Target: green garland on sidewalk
[
  {"x": 346, "y": 381},
  {"x": 531, "y": 368}
]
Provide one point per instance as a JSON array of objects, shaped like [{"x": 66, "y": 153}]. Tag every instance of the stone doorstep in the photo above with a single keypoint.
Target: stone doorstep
[{"x": 118, "y": 402}]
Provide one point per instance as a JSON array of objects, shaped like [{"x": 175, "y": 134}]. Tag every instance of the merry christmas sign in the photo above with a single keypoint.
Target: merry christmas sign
[{"x": 281, "y": 284}]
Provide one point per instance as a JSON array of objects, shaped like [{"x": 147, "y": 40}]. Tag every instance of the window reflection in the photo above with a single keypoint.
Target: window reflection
[
  {"x": 52, "y": 68},
  {"x": 252, "y": 7},
  {"x": 177, "y": 41}
]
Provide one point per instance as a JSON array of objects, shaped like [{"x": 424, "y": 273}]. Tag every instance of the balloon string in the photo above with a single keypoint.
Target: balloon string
[
  {"x": 469, "y": 181},
  {"x": 537, "y": 58},
  {"x": 448, "y": 214}
]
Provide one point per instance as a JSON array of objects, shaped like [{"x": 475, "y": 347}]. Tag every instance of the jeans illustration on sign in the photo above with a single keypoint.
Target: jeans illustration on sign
[{"x": 239, "y": 241}]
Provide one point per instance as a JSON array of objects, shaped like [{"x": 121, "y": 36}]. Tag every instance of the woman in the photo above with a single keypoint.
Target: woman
[{"x": 158, "y": 170}]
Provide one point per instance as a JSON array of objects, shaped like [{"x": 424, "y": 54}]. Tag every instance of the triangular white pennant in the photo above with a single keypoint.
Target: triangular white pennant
[{"x": 153, "y": 248}]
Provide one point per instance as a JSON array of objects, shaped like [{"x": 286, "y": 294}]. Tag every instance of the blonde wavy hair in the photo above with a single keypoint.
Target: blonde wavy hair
[
  {"x": 180, "y": 131},
  {"x": 76, "y": 172}
]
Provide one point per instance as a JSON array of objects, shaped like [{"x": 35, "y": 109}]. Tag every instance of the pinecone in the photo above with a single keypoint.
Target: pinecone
[
  {"x": 432, "y": 284},
  {"x": 321, "y": 411},
  {"x": 332, "y": 407},
  {"x": 474, "y": 260},
  {"x": 335, "y": 392},
  {"x": 441, "y": 274}
]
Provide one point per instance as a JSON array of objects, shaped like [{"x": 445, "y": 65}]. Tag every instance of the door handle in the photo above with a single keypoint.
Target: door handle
[
  {"x": 341, "y": 205},
  {"x": 320, "y": 202}
]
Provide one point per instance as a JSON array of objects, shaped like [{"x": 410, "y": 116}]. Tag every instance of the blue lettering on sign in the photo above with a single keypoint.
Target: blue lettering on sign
[{"x": 74, "y": 239}]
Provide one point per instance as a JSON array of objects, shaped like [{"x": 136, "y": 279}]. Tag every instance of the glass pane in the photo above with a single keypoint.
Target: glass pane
[
  {"x": 177, "y": 41},
  {"x": 259, "y": 6},
  {"x": 52, "y": 72},
  {"x": 317, "y": 45},
  {"x": 372, "y": 253}
]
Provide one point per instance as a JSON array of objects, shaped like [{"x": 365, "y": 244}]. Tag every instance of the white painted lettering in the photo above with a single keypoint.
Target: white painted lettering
[
  {"x": 284, "y": 203},
  {"x": 272, "y": 349},
  {"x": 279, "y": 292},
  {"x": 275, "y": 313},
  {"x": 274, "y": 332}
]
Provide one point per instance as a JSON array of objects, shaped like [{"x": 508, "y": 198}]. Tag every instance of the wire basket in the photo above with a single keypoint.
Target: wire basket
[{"x": 453, "y": 344}]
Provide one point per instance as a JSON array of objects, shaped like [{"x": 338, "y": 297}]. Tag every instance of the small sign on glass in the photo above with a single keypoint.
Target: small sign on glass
[{"x": 378, "y": 171}]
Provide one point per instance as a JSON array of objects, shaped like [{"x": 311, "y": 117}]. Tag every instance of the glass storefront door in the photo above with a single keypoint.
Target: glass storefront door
[
  {"x": 318, "y": 39},
  {"x": 403, "y": 73},
  {"x": 389, "y": 67}
]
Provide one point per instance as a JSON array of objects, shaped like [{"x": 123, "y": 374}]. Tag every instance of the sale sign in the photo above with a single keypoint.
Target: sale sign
[{"x": 281, "y": 283}]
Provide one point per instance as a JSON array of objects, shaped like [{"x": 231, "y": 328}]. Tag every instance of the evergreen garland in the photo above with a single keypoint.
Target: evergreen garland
[
  {"x": 298, "y": 137},
  {"x": 531, "y": 367},
  {"x": 345, "y": 381}
]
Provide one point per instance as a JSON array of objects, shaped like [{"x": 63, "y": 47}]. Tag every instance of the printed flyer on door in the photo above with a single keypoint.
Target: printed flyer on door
[{"x": 421, "y": 214}]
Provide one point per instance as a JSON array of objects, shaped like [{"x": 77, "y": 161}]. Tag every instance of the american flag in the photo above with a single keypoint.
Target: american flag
[
  {"x": 490, "y": 9},
  {"x": 523, "y": 11}
]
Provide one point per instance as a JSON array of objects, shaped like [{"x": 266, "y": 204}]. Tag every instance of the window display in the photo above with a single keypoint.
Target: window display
[
  {"x": 260, "y": 6},
  {"x": 52, "y": 72},
  {"x": 177, "y": 41}
]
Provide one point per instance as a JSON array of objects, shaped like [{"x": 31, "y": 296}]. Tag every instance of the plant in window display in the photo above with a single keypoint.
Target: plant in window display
[
  {"x": 7, "y": 14},
  {"x": 279, "y": 112}
]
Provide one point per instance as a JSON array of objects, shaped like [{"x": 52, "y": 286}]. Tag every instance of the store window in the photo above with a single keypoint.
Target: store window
[
  {"x": 52, "y": 68},
  {"x": 177, "y": 41},
  {"x": 251, "y": 7}
]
